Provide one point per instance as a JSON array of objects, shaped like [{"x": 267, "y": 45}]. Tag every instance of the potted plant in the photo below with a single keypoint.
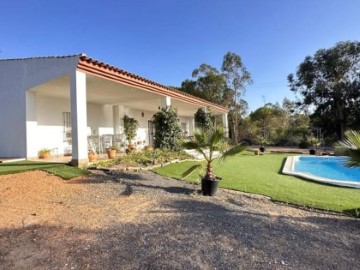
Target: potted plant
[
  {"x": 44, "y": 153},
  {"x": 92, "y": 156},
  {"x": 111, "y": 152},
  {"x": 130, "y": 128},
  {"x": 313, "y": 141},
  {"x": 263, "y": 142},
  {"x": 206, "y": 143}
]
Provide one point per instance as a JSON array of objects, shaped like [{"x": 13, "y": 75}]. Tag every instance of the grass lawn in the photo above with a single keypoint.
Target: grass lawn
[
  {"x": 62, "y": 170},
  {"x": 261, "y": 175}
]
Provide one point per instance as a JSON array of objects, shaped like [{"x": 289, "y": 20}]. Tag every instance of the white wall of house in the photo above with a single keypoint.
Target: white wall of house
[
  {"x": 16, "y": 78},
  {"x": 31, "y": 120},
  {"x": 48, "y": 128}
]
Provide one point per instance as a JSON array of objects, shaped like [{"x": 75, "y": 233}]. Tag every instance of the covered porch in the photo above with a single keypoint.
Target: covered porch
[{"x": 67, "y": 112}]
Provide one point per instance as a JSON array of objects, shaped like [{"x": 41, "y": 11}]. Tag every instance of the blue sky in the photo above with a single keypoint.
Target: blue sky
[{"x": 164, "y": 40}]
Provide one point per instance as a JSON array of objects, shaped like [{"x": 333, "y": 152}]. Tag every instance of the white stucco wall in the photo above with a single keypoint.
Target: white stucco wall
[
  {"x": 16, "y": 77},
  {"x": 49, "y": 130},
  {"x": 30, "y": 121}
]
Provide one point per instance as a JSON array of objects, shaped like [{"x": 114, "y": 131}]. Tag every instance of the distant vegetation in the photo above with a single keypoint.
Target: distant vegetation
[{"x": 328, "y": 88}]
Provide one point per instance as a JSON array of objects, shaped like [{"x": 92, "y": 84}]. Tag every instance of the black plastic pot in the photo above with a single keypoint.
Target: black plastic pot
[
  {"x": 312, "y": 151},
  {"x": 262, "y": 149},
  {"x": 209, "y": 187}
]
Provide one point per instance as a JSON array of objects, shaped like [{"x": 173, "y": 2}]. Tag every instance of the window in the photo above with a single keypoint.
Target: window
[{"x": 67, "y": 126}]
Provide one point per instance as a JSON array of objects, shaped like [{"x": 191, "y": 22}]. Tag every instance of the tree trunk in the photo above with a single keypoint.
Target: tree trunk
[
  {"x": 342, "y": 130},
  {"x": 235, "y": 129},
  {"x": 340, "y": 109},
  {"x": 209, "y": 173}
]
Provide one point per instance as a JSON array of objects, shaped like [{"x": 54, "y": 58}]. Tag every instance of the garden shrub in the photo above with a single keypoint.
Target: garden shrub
[
  {"x": 145, "y": 158},
  {"x": 167, "y": 129},
  {"x": 304, "y": 144},
  {"x": 204, "y": 119}
]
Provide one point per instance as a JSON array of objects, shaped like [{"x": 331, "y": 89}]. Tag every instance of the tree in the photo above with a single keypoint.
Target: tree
[
  {"x": 167, "y": 128},
  {"x": 279, "y": 125},
  {"x": 130, "y": 128},
  {"x": 204, "y": 119},
  {"x": 208, "y": 84},
  {"x": 238, "y": 77},
  {"x": 330, "y": 81}
]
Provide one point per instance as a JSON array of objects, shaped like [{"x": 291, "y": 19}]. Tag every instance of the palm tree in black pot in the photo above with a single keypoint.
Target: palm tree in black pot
[{"x": 206, "y": 143}]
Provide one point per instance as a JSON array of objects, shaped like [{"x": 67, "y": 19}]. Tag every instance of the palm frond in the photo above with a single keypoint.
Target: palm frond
[
  {"x": 352, "y": 144},
  {"x": 191, "y": 145},
  {"x": 233, "y": 151},
  {"x": 216, "y": 137},
  {"x": 354, "y": 160},
  {"x": 191, "y": 170},
  {"x": 352, "y": 140},
  {"x": 200, "y": 138}
]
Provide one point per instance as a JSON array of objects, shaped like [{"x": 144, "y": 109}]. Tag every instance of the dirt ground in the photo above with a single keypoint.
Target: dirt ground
[{"x": 144, "y": 221}]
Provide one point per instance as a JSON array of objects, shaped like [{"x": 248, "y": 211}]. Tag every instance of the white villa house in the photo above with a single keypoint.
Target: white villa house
[{"x": 58, "y": 102}]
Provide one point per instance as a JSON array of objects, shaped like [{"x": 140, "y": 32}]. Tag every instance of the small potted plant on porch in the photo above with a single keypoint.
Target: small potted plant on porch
[
  {"x": 44, "y": 153},
  {"x": 206, "y": 143},
  {"x": 130, "y": 128},
  {"x": 92, "y": 156},
  {"x": 111, "y": 152}
]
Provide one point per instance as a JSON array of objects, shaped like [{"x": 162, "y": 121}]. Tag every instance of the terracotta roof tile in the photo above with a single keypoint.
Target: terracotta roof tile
[
  {"x": 84, "y": 57},
  {"x": 132, "y": 75}
]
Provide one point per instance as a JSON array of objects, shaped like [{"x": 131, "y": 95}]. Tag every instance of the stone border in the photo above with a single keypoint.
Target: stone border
[
  {"x": 289, "y": 170},
  {"x": 139, "y": 168}
]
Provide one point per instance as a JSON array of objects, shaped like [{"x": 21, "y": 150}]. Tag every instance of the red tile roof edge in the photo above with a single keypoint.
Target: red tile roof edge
[
  {"x": 85, "y": 58},
  {"x": 147, "y": 81}
]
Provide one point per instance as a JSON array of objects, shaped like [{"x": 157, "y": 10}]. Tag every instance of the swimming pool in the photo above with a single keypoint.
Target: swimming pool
[{"x": 325, "y": 169}]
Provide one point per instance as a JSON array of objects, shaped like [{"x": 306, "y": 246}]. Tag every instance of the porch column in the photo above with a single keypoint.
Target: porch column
[
  {"x": 116, "y": 119},
  {"x": 78, "y": 118},
  {"x": 226, "y": 124},
  {"x": 165, "y": 101},
  {"x": 32, "y": 141}
]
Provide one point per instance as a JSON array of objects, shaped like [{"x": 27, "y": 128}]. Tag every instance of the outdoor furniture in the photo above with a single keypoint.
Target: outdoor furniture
[
  {"x": 95, "y": 141},
  {"x": 118, "y": 140},
  {"x": 107, "y": 141}
]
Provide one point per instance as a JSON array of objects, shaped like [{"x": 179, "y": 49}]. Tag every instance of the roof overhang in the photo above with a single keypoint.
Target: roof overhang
[{"x": 106, "y": 71}]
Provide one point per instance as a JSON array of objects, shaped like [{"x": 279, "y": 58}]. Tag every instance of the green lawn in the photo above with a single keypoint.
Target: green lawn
[
  {"x": 261, "y": 175},
  {"x": 62, "y": 170}
]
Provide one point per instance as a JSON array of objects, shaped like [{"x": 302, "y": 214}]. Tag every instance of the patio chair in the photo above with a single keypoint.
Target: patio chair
[
  {"x": 118, "y": 140},
  {"x": 94, "y": 141},
  {"x": 107, "y": 141}
]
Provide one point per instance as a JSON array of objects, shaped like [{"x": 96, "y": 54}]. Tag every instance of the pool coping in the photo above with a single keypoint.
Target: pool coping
[{"x": 289, "y": 170}]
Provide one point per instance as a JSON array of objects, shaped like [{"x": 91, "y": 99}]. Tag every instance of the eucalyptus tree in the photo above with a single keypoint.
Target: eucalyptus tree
[
  {"x": 330, "y": 82},
  {"x": 238, "y": 77}
]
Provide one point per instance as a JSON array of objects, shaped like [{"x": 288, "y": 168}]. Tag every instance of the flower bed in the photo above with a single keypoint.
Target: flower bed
[{"x": 144, "y": 159}]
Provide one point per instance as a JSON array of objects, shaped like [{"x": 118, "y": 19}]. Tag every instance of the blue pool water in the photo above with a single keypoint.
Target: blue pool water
[{"x": 327, "y": 167}]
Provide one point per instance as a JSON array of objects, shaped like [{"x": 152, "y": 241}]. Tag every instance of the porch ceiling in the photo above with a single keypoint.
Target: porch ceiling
[{"x": 102, "y": 91}]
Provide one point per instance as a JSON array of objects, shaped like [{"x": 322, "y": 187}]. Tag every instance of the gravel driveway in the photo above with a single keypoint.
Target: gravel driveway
[{"x": 145, "y": 221}]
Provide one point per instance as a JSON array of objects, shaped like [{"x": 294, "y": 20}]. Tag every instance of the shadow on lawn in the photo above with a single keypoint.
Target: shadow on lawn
[
  {"x": 32, "y": 164},
  {"x": 282, "y": 166},
  {"x": 353, "y": 212},
  {"x": 188, "y": 234}
]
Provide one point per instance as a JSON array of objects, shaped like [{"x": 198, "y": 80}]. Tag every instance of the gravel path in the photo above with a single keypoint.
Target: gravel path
[{"x": 145, "y": 221}]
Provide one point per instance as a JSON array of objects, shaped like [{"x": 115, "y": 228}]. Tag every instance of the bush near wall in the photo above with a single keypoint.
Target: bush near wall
[{"x": 167, "y": 129}]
